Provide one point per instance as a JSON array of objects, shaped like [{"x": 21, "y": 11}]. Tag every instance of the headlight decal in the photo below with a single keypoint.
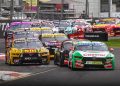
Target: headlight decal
[{"x": 78, "y": 57}]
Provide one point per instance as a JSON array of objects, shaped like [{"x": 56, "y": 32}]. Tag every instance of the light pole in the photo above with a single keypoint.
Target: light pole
[
  {"x": 11, "y": 10},
  {"x": 0, "y": 5},
  {"x": 110, "y": 8},
  {"x": 38, "y": 9},
  {"x": 62, "y": 8},
  {"x": 22, "y": 7},
  {"x": 87, "y": 7}
]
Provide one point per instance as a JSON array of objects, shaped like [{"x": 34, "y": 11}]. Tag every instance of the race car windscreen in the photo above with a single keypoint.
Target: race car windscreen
[
  {"x": 51, "y": 25},
  {"x": 61, "y": 38},
  {"x": 23, "y": 34},
  {"x": 34, "y": 44},
  {"x": 47, "y": 39},
  {"x": 14, "y": 27},
  {"x": 19, "y": 35},
  {"x": 46, "y": 31},
  {"x": 91, "y": 46},
  {"x": 67, "y": 46},
  {"x": 79, "y": 24},
  {"x": 31, "y": 44},
  {"x": 64, "y": 24}
]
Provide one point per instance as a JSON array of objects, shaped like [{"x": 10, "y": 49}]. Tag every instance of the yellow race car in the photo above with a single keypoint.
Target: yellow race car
[
  {"x": 27, "y": 50},
  {"x": 50, "y": 43},
  {"x": 60, "y": 37}
]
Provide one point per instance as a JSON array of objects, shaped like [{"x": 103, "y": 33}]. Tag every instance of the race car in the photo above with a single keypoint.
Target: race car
[
  {"x": 63, "y": 24},
  {"x": 62, "y": 53},
  {"x": 106, "y": 25},
  {"x": 78, "y": 29},
  {"x": 50, "y": 43},
  {"x": 27, "y": 51},
  {"x": 116, "y": 30},
  {"x": 16, "y": 34},
  {"x": 87, "y": 54},
  {"x": 16, "y": 25},
  {"x": 21, "y": 34},
  {"x": 60, "y": 37}
]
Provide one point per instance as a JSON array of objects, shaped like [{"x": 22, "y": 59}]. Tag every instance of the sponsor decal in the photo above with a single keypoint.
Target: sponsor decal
[
  {"x": 29, "y": 51},
  {"x": 94, "y": 55},
  {"x": 92, "y": 36},
  {"x": 95, "y": 44}
]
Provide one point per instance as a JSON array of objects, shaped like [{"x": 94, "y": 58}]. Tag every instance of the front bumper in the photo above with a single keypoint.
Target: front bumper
[
  {"x": 93, "y": 63},
  {"x": 29, "y": 58}
]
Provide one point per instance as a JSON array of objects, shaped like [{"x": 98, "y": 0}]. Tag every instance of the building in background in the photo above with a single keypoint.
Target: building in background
[
  {"x": 71, "y": 8},
  {"x": 104, "y": 8}
]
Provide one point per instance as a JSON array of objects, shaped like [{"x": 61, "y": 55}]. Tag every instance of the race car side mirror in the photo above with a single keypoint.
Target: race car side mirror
[{"x": 111, "y": 49}]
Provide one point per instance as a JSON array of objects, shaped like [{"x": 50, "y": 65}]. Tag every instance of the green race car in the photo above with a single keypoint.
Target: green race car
[{"x": 87, "y": 55}]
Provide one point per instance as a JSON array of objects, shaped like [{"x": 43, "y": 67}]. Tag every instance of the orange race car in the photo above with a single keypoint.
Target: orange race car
[
  {"x": 116, "y": 29},
  {"x": 106, "y": 25}
]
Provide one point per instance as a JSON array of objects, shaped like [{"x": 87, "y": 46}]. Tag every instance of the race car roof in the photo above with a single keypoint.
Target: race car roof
[
  {"x": 47, "y": 35},
  {"x": 45, "y": 28},
  {"x": 35, "y": 29},
  {"x": 59, "y": 34}
]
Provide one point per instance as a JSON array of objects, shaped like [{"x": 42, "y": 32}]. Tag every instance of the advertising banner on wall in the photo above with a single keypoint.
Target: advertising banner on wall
[{"x": 31, "y": 5}]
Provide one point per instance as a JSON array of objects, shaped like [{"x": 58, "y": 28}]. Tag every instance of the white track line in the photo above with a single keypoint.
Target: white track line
[{"x": 30, "y": 75}]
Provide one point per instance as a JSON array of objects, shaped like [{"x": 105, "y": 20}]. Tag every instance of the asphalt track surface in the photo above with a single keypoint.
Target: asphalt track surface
[{"x": 51, "y": 75}]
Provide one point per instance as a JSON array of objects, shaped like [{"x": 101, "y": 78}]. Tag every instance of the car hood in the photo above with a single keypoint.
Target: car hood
[{"x": 29, "y": 50}]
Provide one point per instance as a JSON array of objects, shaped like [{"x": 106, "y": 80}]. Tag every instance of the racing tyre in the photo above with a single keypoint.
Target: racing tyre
[
  {"x": 61, "y": 61},
  {"x": 55, "y": 60},
  {"x": 46, "y": 62}
]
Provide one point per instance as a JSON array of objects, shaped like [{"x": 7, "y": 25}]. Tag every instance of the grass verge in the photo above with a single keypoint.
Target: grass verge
[{"x": 115, "y": 43}]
